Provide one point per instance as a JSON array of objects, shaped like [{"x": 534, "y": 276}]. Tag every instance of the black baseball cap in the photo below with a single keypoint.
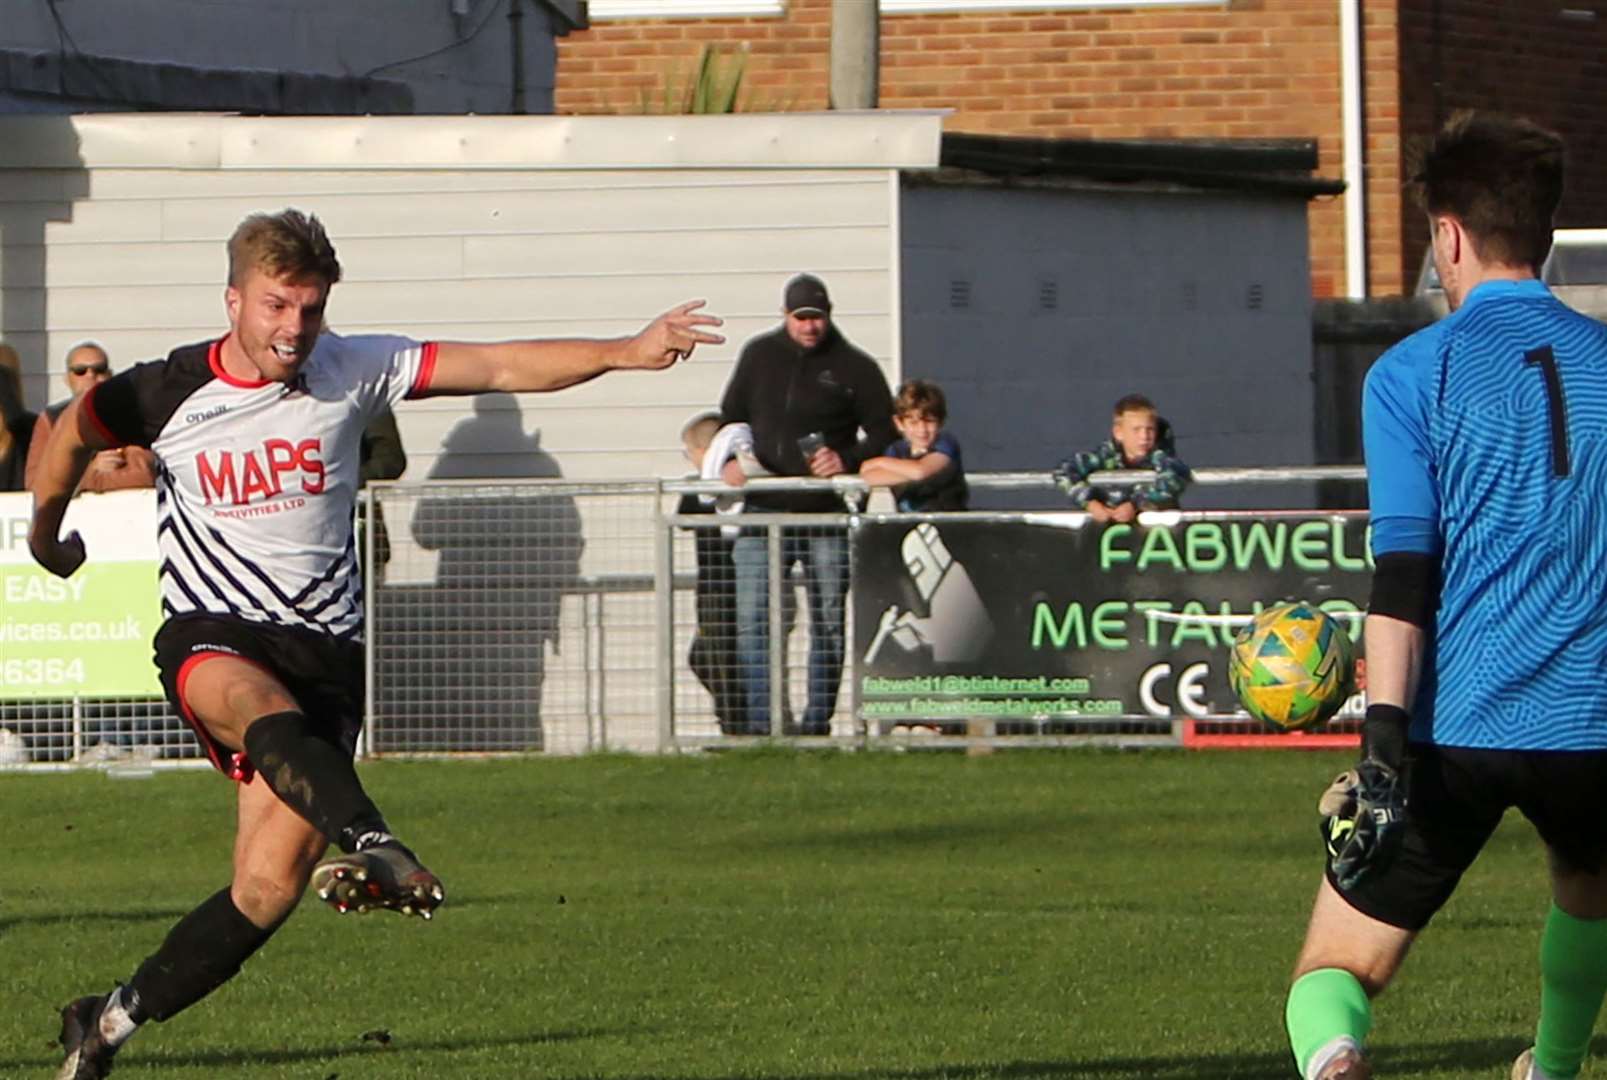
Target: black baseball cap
[{"x": 806, "y": 295}]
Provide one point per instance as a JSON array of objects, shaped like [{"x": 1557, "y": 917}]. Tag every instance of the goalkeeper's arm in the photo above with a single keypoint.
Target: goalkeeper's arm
[
  {"x": 1406, "y": 587},
  {"x": 1394, "y": 666},
  {"x": 1365, "y": 809}
]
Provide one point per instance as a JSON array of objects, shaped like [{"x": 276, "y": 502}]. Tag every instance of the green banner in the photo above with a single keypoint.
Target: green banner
[{"x": 90, "y": 635}]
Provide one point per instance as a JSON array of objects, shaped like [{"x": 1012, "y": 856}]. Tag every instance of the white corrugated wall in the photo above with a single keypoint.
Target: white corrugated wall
[{"x": 462, "y": 228}]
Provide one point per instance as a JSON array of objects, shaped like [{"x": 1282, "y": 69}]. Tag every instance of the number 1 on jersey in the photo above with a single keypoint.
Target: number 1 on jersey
[{"x": 1554, "y": 405}]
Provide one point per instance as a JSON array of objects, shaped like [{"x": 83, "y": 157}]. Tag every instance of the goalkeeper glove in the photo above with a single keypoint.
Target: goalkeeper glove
[{"x": 1364, "y": 809}]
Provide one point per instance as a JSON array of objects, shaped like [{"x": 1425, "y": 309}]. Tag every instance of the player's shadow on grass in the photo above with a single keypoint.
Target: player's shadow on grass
[
  {"x": 1470, "y": 1057},
  {"x": 1467, "y": 1058},
  {"x": 794, "y": 833},
  {"x": 1485, "y": 922},
  {"x": 167, "y": 1063},
  {"x": 55, "y": 918}
]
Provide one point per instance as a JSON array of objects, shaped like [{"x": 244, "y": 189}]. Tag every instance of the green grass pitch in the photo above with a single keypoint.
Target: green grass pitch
[{"x": 796, "y": 916}]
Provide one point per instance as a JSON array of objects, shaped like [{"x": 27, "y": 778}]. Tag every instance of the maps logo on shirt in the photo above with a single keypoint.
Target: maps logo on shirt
[{"x": 255, "y": 475}]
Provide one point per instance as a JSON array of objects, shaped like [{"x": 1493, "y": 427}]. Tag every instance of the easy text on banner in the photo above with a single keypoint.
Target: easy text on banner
[
  {"x": 1055, "y": 617},
  {"x": 90, "y": 635}
]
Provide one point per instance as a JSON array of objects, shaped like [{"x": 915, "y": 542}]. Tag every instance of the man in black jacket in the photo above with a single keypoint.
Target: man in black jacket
[{"x": 818, "y": 406}]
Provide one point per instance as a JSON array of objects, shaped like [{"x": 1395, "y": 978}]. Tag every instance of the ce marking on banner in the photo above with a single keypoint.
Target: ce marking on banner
[{"x": 1188, "y": 693}]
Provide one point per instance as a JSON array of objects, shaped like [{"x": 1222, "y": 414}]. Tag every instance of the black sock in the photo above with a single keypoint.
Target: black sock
[
  {"x": 312, "y": 776},
  {"x": 200, "y": 954}
]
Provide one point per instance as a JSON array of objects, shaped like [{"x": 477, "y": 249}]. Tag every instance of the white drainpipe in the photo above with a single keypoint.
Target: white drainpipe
[{"x": 1355, "y": 149}]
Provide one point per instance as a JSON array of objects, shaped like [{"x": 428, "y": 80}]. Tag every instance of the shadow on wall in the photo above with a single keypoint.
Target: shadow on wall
[
  {"x": 43, "y": 176},
  {"x": 462, "y": 661}
]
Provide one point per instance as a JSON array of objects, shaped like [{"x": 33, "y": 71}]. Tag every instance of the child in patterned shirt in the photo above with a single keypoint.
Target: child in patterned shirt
[{"x": 1139, "y": 439}]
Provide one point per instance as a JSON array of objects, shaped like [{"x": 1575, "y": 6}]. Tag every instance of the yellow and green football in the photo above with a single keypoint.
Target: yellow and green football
[{"x": 1292, "y": 666}]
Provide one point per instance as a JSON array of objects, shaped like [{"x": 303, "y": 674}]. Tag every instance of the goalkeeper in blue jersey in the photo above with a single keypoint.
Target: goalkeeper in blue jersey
[{"x": 1486, "y": 444}]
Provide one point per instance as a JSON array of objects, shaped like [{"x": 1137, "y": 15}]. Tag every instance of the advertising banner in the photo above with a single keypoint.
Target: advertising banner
[
  {"x": 90, "y": 635},
  {"x": 1055, "y": 617}
]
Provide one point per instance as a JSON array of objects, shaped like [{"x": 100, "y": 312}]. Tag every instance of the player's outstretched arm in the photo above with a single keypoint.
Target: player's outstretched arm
[
  {"x": 515, "y": 366},
  {"x": 66, "y": 456}
]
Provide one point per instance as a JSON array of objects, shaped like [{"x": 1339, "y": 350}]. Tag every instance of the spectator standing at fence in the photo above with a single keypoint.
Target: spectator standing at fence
[
  {"x": 1139, "y": 439},
  {"x": 1484, "y": 469},
  {"x": 818, "y": 406},
  {"x": 713, "y": 655},
  {"x": 710, "y": 446},
  {"x": 120, "y": 468},
  {"x": 923, "y": 466},
  {"x": 16, "y": 422},
  {"x": 381, "y": 456},
  {"x": 258, "y": 435}
]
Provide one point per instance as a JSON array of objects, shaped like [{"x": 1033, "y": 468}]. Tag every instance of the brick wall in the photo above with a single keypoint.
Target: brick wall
[
  {"x": 1251, "y": 69},
  {"x": 1519, "y": 57}
]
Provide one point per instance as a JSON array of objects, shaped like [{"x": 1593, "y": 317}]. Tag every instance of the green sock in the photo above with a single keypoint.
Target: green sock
[
  {"x": 1573, "y": 978},
  {"x": 1323, "y": 1005}
]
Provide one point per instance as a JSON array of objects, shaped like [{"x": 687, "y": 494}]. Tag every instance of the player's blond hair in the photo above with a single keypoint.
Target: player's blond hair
[{"x": 289, "y": 244}]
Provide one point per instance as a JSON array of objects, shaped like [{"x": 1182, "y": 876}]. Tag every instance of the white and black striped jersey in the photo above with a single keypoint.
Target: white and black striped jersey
[{"x": 257, "y": 481}]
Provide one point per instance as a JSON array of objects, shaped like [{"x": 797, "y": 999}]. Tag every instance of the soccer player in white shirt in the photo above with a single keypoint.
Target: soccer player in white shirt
[{"x": 257, "y": 436}]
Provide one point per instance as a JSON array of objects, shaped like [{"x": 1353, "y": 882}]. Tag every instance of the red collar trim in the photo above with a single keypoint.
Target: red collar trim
[
  {"x": 214, "y": 360},
  {"x": 86, "y": 411}
]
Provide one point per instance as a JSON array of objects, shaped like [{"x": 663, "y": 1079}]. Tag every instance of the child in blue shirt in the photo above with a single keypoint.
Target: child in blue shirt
[{"x": 923, "y": 467}]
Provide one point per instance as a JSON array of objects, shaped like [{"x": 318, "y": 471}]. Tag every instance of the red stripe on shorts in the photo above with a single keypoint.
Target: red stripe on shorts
[{"x": 236, "y": 766}]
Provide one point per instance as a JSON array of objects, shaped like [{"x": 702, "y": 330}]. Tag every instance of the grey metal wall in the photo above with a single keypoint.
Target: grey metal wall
[
  {"x": 1036, "y": 309},
  {"x": 455, "y": 56}
]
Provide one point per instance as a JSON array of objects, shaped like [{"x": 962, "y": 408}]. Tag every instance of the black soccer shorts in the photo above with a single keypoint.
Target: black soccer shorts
[
  {"x": 323, "y": 674},
  {"x": 1457, "y": 796}
]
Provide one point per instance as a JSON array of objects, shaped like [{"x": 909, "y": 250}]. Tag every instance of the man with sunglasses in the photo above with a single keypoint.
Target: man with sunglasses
[{"x": 119, "y": 469}]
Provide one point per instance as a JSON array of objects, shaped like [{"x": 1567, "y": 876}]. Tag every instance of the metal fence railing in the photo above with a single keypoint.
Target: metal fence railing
[
  {"x": 563, "y": 617},
  {"x": 777, "y": 702},
  {"x": 513, "y": 616},
  {"x": 124, "y": 735}
]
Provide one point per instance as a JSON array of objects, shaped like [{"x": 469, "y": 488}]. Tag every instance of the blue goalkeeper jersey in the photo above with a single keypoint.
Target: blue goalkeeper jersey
[{"x": 1486, "y": 443}]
